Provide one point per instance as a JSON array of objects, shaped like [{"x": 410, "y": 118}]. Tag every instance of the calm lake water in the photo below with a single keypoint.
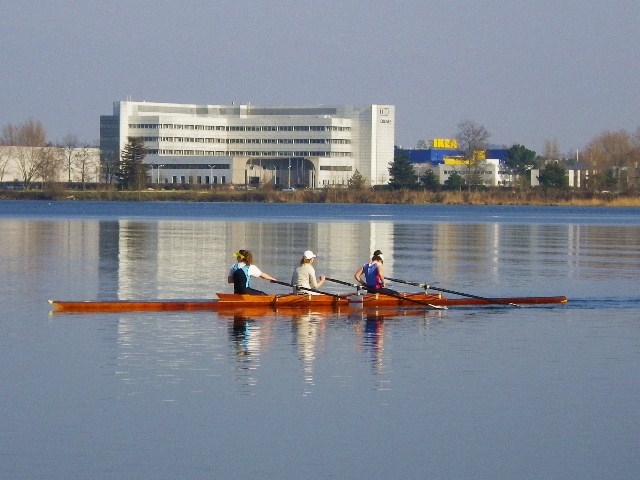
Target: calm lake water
[{"x": 502, "y": 393}]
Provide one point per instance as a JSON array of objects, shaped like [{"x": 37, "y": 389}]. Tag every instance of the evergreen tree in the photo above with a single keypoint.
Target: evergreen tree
[
  {"x": 520, "y": 159},
  {"x": 430, "y": 180},
  {"x": 601, "y": 181},
  {"x": 133, "y": 173},
  {"x": 454, "y": 182},
  {"x": 401, "y": 172},
  {"x": 553, "y": 175},
  {"x": 357, "y": 181}
]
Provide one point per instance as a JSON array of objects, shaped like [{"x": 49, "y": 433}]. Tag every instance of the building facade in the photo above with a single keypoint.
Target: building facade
[
  {"x": 444, "y": 158},
  {"x": 288, "y": 146},
  {"x": 490, "y": 172}
]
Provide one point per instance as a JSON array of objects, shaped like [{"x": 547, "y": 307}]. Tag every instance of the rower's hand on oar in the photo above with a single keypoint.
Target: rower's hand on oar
[{"x": 303, "y": 289}]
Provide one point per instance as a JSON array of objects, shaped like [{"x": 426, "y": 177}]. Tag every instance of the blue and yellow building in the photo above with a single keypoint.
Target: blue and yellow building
[{"x": 445, "y": 158}]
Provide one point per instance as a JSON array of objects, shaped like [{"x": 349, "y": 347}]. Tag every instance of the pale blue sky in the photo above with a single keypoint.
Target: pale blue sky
[{"x": 527, "y": 71}]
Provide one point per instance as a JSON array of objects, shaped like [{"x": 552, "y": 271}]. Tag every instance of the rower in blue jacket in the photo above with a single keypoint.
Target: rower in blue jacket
[{"x": 371, "y": 275}]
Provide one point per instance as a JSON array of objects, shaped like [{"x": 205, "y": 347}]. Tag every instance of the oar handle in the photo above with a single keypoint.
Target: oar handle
[
  {"x": 306, "y": 289},
  {"x": 342, "y": 282},
  {"x": 415, "y": 284}
]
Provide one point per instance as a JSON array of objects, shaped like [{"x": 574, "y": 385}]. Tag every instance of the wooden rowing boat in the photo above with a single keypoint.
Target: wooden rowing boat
[{"x": 233, "y": 302}]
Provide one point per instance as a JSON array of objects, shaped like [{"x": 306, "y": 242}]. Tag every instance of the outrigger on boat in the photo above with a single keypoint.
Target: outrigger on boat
[{"x": 319, "y": 302}]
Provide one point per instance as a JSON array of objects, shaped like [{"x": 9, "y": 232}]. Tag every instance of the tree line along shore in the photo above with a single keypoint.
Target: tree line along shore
[{"x": 502, "y": 196}]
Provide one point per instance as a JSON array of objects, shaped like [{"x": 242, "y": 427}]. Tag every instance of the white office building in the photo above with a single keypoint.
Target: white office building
[{"x": 312, "y": 146}]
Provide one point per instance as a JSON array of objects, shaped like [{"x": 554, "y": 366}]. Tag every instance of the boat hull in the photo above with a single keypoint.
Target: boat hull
[{"x": 232, "y": 302}]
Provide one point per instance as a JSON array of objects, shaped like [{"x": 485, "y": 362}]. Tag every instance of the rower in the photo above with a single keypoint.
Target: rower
[{"x": 241, "y": 272}]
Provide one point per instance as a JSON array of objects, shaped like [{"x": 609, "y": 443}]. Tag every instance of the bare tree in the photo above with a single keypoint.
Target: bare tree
[
  {"x": 70, "y": 144},
  {"x": 85, "y": 163},
  {"x": 30, "y": 154},
  {"x": 51, "y": 164},
  {"x": 110, "y": 163},
  {"x": 30, "y": 162},
  {"x": 29, "y": 134},
  {"x": 551, "y": 151},
  {"x": 617, "y": 154},
  {"x": 5, "y": 158},
  {"x": 472, "y": 140}
]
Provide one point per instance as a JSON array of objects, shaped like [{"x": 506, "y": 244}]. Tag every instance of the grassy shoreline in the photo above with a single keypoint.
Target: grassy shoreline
[{"x": 490, "y": 197}]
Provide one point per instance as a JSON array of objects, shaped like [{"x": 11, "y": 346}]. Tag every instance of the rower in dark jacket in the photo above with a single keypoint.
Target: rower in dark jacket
[{"x": 241, "y": 272}]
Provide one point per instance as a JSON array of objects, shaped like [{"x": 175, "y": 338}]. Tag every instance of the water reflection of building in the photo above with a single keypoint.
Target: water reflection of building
[
  {"x": 69, "y": 243},
  {"x": 332, "y": 241},
  {"x": 188, "y": 259},
  {"x": 171, "y": 258},
  {"x": 440, "y": 250},
  {"x": 109, "y": 258}
]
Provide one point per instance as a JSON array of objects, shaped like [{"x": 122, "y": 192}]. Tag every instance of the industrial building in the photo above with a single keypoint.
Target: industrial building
[
  {"x": 444, "y": 158},
  {"x": 243, "y": 144}
]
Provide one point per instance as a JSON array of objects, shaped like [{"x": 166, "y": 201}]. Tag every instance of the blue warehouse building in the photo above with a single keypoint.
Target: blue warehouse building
[
  {"x": 444, "y": 158},
  {"x": 436, "y": 156}
]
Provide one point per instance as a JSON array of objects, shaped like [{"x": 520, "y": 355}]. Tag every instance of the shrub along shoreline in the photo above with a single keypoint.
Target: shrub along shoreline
[{"x": 413, "y": 197}]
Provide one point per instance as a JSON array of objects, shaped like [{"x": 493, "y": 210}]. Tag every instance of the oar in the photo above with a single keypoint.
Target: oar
[
  {"x": 341, "y": 297},
  {"x": 399, "y": 297},
  {"x": 426, "y": 286}
]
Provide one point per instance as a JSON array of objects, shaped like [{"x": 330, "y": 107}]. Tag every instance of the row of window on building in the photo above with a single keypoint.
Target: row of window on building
[
  {"x": 189, "y": 180},
  {"x": 206, "y": 180},
  {"x": 329, "y": 141},
  {"x": 248, "y": 153},
  {"x": 242, "y": 128}
]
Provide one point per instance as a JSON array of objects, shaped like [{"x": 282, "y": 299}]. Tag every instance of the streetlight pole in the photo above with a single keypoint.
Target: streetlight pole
[
  {"x": 210, "y": 177},
  {"x": 289, "y": 181},
  {"x": 159, "y": 166}
]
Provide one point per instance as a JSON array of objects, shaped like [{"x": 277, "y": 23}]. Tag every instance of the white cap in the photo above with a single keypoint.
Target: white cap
[{"x": 308, "y": 254}]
